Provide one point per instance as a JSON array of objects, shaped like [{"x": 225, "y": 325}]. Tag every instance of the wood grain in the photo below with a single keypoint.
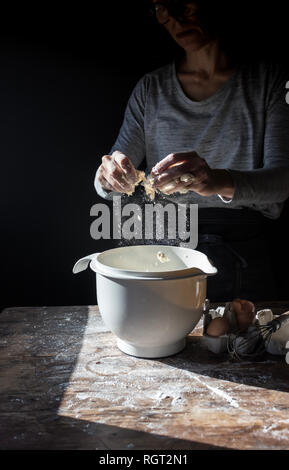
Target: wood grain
[{"x": 65, "y": 385}]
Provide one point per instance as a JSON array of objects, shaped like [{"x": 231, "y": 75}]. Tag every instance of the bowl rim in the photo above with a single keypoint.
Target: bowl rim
[{"x": 100, "y": 268}]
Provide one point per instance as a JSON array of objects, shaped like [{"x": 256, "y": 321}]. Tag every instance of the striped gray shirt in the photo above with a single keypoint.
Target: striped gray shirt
[{"x": 243, "y": 127}]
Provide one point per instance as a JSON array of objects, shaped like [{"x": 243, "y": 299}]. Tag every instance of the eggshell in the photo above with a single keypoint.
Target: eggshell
[
  {"x": 287, "y": 355},
  {"x": 214, "y": 314},
  {"x": 218, "y": 326},
  {"x": 264, "y": 316},
  {"x": 244, "y": 312},
  {"x": 278, "y": 340}
]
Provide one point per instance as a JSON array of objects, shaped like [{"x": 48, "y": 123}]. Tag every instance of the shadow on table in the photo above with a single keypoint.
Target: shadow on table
[
  {"x": 39, "y": 351},
  {"x": 270, "y": 372},
  {"x": 61, "y": 433}
]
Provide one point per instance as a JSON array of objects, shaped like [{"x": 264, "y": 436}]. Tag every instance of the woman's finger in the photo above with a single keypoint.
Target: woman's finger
[
  {"x": 126, "y": 166},
  {"x": 170, "y": 174},
  {"x": 180, "y": 171},
  {"x": 174, "y": 187},
  {"x": 173, "y": 159},
  {"x": 117, "y": 186},
  {"x": 114, "y": 174},
  {"x": 187, "y": 178},
  {"x": 104, "y": 183}
]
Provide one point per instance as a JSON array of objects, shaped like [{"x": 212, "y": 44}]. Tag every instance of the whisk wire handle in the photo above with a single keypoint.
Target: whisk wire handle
[
  {"x": 278, "y": 322},
  {"x": 258, "y": 338}
]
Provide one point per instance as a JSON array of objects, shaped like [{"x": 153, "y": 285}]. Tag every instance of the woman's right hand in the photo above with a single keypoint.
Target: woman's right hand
[{"x": 117, "y": 173}]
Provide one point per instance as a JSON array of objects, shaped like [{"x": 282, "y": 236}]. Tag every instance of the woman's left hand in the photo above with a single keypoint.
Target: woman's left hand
[{"x": 187, "y": 171}]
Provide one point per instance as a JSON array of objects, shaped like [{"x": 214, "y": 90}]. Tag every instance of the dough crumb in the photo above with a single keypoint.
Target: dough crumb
[
  {"x": 149, "y": 189},
  {"x": 162, "y": 257},
  {"x": 141, "y": 177}
]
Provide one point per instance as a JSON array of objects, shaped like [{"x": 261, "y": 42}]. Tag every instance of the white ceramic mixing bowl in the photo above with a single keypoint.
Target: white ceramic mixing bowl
[{"x": 150, "y": 302}]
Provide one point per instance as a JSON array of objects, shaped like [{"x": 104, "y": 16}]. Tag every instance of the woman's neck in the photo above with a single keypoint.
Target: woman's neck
[{"x": 206, "y": 62}]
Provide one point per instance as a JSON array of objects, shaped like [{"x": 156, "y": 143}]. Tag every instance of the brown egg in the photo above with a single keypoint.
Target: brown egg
[
  {"x": 218, "y": 326},
  {"x": 245, "y": 313}
]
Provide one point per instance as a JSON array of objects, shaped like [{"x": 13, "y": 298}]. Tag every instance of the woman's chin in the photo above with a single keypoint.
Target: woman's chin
[
  {"x": 192, "y": 43},
  {"x": 192, "y": 46}
]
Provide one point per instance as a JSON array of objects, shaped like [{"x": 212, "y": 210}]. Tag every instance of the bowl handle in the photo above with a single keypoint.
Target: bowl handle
[{"x": 83, "y": 263}]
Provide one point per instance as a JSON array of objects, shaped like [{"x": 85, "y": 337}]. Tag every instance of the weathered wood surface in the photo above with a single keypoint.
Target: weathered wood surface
[{"x": 65, "y": 385}]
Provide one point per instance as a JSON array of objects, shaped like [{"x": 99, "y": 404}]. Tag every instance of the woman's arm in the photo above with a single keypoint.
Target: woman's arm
[
  {"x": 269, "y": 184},
  {"x": 262, "y": 186},
  {"x": 131, "y": 140}
]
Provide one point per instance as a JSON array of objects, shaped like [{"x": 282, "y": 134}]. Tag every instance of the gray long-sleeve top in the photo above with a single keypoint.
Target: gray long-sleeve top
[{"x": 243, "y": 127}]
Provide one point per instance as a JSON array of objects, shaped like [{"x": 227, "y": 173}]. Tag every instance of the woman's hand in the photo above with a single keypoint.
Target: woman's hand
[
  {"x": 187, "y": 171},
  {"x": 117, "y": 173}
]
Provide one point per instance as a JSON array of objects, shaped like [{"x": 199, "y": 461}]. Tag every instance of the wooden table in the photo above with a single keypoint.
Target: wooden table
[{"x": 65, "y": 385}]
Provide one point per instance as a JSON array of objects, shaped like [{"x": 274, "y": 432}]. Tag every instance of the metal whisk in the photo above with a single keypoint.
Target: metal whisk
[{"x": 253, "y": 342}]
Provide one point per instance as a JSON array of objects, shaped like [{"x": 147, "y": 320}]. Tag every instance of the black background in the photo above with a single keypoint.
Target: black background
[{"x": 66, "y": 75}]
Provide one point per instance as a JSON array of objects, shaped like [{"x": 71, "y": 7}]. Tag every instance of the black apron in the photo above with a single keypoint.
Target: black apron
[{"x": 238, "y": 243}]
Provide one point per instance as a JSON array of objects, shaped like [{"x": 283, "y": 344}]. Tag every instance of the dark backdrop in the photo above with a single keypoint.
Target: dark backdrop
[{"x": 66, "y": 75}]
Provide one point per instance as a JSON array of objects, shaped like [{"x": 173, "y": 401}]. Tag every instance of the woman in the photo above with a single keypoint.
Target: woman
[{"x": 225, "y": 124}]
